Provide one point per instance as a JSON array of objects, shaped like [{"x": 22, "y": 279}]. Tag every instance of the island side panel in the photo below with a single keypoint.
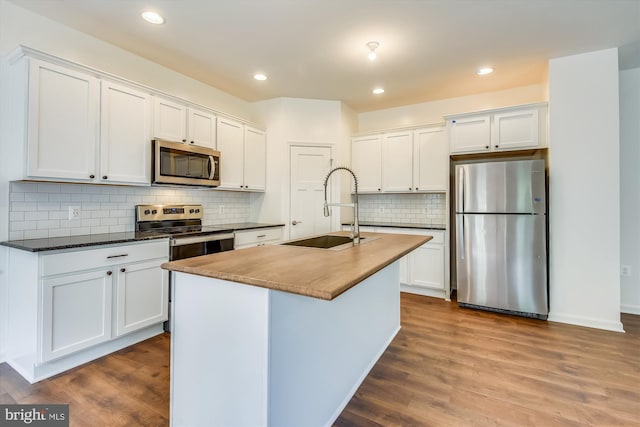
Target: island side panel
[
  {"x": 321, "y": 351},
  {"x": 219, "y": 353}
]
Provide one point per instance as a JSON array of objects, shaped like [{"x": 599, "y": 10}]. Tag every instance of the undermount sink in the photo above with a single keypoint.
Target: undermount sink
[{"x": 327, "y": 241}]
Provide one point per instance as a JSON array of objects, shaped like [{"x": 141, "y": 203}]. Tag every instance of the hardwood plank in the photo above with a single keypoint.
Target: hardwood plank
[{"x": 447, "y": 367}]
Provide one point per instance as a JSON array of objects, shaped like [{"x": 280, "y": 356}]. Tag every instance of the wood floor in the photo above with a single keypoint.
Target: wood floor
[{"x": 447, "y": 367}]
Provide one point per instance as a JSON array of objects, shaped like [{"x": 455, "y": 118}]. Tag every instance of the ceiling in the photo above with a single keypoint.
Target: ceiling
[{"x": 429, "y": 49}]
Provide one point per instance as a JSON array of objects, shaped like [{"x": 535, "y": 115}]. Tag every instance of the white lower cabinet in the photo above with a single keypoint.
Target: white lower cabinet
[
  {"x": 73, "y": 306},
  {"x": 423, "y": 271}
]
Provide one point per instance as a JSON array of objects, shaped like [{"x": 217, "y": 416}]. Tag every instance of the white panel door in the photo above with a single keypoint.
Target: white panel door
[
  {"x": 125, "y": 135},
  {"x": 470, "y": 134},
  {"x": 427, "y": 266},
  {"x": 76, "y": 312},
  {"x": 515, "y": 129},
  {"x": 430, "y": 159},
  {"x": 230, "y": 137},
  {"x": 309, "y": 167},
  {"x": 142, "y": 296},
  {"x": 63, "y": 122},
  {"x": 397, "y": 159},
  {"x": 255, "y": 159},
  {"x": 169, "y": 120},
  {"x": 202, "y": 128},
  {"x": 366, "y": 162}
]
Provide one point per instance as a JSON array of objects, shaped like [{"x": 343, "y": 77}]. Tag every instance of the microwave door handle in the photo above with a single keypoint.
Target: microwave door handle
[{"x": 212, "y": 167}]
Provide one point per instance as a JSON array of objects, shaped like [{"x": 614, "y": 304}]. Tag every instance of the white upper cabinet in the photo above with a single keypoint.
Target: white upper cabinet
[
  {"x": 125, "y": 135},
  {"x": 506, "y": 129},
  {"x": 255, "y": 155},
  {"x": 366, "y": 162},
  {"x": 430, "y": 159},
  {"x": 63, "y": 114},
  {"x": 242, "y": 156},
  {"x": 177, "y": 122},
  {"x": 397, "y": 166},
  {"x": 402, "y": 162}
]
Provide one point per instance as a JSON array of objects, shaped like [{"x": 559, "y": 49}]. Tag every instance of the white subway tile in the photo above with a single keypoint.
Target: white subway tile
[
  {"x": 24, "y": 206},
  {"x": 16, "y": 197},
  {"x": 80, "y": 231},
  {"x": 48, "y": 187},
  {"x": 99, "y": 229},
  {"x": 23, "y": 225},
  {"x": 48, "y": 206},
  {"x": 59, "y": 214},
  {"x": 47, "y": 224},
  {"x": 16, "y": 235},
  {"x": 59, "y": 232},
  {"x": 36, "y": 234},
  {"x": 16, "y": 216},
  {"x": 36, "y": 216}
]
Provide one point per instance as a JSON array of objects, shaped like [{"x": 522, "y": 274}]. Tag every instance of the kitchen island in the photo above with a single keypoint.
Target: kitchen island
[{"x": 281, "y": 335}]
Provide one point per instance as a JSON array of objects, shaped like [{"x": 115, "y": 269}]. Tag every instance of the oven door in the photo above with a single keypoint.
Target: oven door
[{"x": 176, "y": 163}]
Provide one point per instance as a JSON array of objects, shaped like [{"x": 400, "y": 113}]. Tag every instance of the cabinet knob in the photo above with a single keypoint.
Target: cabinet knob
[
  {"x": 486, "y": 146},
  {"x": 410, "y": 188},
  {"x": 379, "y": 189},
  {"x": 104, "y": 177},
  {"x": 184, "y": 140},
  {"x": 122, "y": 270},
  {"x": 192, "y": 142},
  {"x": 109, "y": 273},
  {"x": 416, "y": 188},
  {"x": 92, "y": 176}
]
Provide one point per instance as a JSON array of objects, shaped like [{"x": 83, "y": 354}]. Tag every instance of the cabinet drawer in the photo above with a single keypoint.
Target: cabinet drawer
[
  {"x": 88, "y": 259},
  {"x": 258, "y": 236}
]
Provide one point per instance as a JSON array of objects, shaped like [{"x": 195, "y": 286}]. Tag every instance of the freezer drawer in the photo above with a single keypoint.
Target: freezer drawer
[{"x": 501, "y": 262}]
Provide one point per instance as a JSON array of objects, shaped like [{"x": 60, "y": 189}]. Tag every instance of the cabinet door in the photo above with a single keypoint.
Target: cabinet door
[
  {"x": 255, "y": 159},
  {"x": 63, "y": 122},
  {"x": 142, "y": 293},
  {"x": 515, "y": 129},
  {"x": 470, "y": 134},
  {"x": 76, "y": 312},
  {"x": 427, "y": 266},
  {"x": 202, "y": 128},
  {"x": 366, "y": 161},
  {"x": 125, "y": 135},
  {"x": 230, "y": 137},
  {"x": 169, "y": 120},
  {"x": 397, "y": 163},
  {"x": 430, "y": 160}
]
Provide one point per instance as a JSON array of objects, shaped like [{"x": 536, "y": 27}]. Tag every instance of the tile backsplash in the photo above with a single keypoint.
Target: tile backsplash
[
  {"x": 403, "y": 208},
  {"x": 38, "y": 210}
]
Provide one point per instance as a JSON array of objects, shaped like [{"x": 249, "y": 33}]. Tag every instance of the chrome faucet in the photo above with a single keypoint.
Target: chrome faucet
[{"x": 355, "y": 227}]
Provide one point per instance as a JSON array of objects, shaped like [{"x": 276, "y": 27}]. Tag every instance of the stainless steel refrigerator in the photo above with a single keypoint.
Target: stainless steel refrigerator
[{"x": 501, "y": 237}]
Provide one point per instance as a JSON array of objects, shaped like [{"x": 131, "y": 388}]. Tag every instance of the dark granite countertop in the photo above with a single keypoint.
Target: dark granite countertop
[
  {"x": 70, "y": 242},
  {"x": 401, "y": 225}
]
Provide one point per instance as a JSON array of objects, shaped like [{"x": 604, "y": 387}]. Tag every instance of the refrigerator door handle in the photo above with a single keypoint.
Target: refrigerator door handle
[
  {"x": 460, "y": 190},
  {"x": 462, "y": 237}
]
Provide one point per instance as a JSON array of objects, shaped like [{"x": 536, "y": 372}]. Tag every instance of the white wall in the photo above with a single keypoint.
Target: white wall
[
  {"x": 630, "y": 188},
  {"x": 433, "y": 112},
  {"x": 302, "y": 121},
  {"x": 584, "y": 199}
]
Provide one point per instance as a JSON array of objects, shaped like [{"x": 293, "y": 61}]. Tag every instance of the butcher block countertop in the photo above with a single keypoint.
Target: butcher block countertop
[{"x": 312, "y": 272}]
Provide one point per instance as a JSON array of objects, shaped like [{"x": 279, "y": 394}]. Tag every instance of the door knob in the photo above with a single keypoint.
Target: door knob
[{"x": 294, "y": 222}]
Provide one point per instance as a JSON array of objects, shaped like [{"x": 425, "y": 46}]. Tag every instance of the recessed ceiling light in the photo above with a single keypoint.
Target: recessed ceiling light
[
  {"x": 152, "y": 17},
  {"x": 378, "y": 91},
  {"x": 372, "y": 45},
  {"x": 484, "y": 71},
  {"x": 260, "y": 76}
]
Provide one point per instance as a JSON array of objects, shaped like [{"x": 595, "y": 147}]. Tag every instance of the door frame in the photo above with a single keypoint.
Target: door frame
[{"x": 306, "y": 144}]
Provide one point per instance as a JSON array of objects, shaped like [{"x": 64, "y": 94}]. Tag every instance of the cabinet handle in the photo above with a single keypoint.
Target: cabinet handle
[
  {"x": 117, "y": 256},
  {"x": 109, "y": 273},
  {"x": 92, "y": 176},
  {"x": 104, "y": 177},
  {"x": 261, "y": 236},
  {"x": 122, "y": 270}
]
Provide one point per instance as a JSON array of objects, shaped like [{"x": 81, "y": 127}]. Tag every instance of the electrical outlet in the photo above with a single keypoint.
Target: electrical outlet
[
  {"x": 625, "y": 270},
  {"x": 221, "y": 210},
  {"x": 74, "y": 212}
]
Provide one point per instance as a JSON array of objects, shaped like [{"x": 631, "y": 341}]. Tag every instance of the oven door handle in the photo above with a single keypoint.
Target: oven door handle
[{"x": 199, "y": 239}]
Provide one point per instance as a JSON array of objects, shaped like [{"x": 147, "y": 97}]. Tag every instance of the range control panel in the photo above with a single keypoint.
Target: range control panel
[{"x": 168, "y": 212}]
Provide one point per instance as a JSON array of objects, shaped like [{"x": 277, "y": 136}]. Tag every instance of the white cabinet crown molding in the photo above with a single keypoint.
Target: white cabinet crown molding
[{"x": 496, "y": 110}]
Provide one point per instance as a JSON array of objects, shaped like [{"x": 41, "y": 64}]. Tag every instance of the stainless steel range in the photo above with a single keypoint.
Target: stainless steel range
[{"x": 188, "y": 237}]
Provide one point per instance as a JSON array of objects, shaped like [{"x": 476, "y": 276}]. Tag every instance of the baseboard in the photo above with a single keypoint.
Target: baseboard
[
  {"x": 361, "y": 379},
  {"x": 588, "y": 322},
  {"x": 630, "y": 309},
  {"x": 435, "y": 293}
]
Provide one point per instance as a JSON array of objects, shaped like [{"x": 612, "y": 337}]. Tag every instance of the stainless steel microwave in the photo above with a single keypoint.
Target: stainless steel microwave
[{"x": 182, "y": 164}]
